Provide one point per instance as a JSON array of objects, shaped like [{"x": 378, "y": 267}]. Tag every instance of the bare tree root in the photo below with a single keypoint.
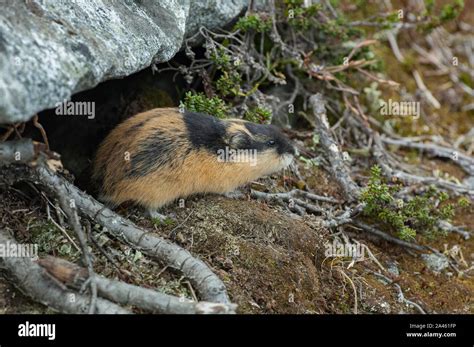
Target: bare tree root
[
  {"x": 70, "y": 209},
  {"x": 33, "y": 281},
  {"x": 126, "y": 294},
  {"x": 331, "y": 149},
  {"x": 209, "y": 286},
  {"x": 446, "y": 226},
  {"x": 292, "y": 201},
  {"x": 387, "y": 237},
  {"x": 466, "y": 162},
  {"x": 401, "y": 296}
]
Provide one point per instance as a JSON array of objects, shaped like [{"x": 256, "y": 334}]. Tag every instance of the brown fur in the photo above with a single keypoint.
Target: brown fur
[{"x": 197, "y": 172}]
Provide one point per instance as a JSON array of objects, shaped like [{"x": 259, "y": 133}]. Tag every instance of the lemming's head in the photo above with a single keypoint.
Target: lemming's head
[
  {"x": 271, "y": 146},
  {"x": 268, "y": 147}
]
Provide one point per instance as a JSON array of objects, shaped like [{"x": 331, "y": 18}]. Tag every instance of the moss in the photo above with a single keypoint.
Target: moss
[
  {"x": 166, "y": 222},
  {"x": 51, "y": 240}
]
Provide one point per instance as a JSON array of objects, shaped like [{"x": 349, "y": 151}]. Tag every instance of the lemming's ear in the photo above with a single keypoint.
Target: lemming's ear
[{"x": 237, "y": 140}]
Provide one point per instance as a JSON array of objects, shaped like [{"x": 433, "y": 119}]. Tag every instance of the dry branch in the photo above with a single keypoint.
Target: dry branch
[
  {"x": 387, "y": 237},
  {"x": 209, "y": 286},
  {"x": 73, "y": 219},
  {"x": 464, "y": 161},
  {"x": 380, "y": 156},
  {"x": 331, "y": 149},
  {"x": 126, "y": 294},
  {"x": 33, "y": 281}
]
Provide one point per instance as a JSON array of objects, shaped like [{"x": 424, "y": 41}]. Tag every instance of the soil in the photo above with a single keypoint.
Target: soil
[{"x": 271, "y": 260}]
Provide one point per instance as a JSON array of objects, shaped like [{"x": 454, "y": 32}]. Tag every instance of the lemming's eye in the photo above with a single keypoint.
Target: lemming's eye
[{"x": 271, "y": 142}]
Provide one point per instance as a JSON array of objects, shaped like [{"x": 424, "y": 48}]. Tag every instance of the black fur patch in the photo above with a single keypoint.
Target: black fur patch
[
  {"x": 134, "y": 128},
  {"x": 270, "y": 133},
  {"x": 205, "y": 131},
  {"x": 155, "y": 151}
]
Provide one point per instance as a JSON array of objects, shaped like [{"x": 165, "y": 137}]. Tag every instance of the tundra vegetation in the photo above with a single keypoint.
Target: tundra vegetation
[{"x": 398, "y": 185}]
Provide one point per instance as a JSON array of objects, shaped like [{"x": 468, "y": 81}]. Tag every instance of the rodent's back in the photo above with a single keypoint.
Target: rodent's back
[
  {"x": 137, "y": 147},
  {"x": 160, "y": 155}
]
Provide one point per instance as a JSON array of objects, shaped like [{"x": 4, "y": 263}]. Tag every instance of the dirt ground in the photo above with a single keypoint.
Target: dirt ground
[{"x": 271, "y": 260}]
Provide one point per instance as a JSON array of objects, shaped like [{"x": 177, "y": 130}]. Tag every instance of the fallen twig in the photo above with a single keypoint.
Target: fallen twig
[
  {"x": 209, "y": 286},
  {"x": 20, "y": 151},
  {"x": 387, "y": 237},
  {"x": 70, "y": 209},
  {"x": 31, "y": 279},
  {"x": 331, "y": 149},
  {"x": 446, "y": 226},
  {"x": 401, "y": 297},
  {"x": 292, "y": 203},
  {"x": 126, "y": 294},
  {"x": 463, "y": 160}
]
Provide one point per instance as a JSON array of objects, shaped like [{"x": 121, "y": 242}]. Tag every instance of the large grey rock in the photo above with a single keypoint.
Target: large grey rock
[
  {"x": 51, "y": 49},
  {"x": 214, "y": 13}
]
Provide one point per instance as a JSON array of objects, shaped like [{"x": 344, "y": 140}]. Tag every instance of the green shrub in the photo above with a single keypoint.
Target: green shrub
[
  {"x": 420, "y": 214},
  {"x": 258, "y": 115},
  {"x": 198, "y": 102},
  {"x": 253, "y": 22}
]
